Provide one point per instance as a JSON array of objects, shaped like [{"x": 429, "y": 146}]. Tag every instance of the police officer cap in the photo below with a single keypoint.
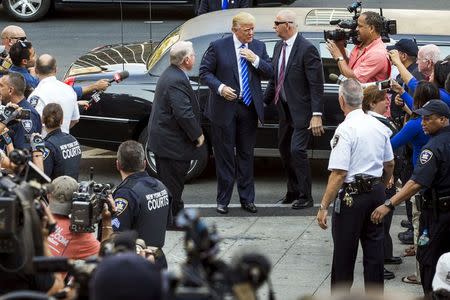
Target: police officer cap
[
  {"x": 126, "y": 276},
  {"x": 434, "y": 107},
  {"x": 407, "y": 46},
  {"x": 61, "y": 190}
]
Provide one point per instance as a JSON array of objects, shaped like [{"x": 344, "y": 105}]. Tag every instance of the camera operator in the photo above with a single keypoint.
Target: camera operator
[
  {"x": 12, "y": 87},
  {"x": 63, "y": 242},
  {"x": 142, "y": 201},
  {"x": 368, "y": 61},
  {"x": 63, "y": 152},
  {"x": 20, "y": 280}
]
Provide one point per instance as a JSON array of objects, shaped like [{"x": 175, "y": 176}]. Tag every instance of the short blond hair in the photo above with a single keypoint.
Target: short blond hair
[{"x": 242, "y": 18}]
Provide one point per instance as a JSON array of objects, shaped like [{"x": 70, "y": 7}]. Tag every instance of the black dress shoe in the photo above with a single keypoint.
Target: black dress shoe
[
  {"x": 406, "y": 237},
  {"x": 388, "y": 275},
  {"x": 250, "y": 207},
  {"x": 300, "y": 204},
  {"x": 285, "y": 200},
  {"x": 394, "y": 260},
  {"x": 406, "y": 224},
  {"x": 222, "y": 209}
]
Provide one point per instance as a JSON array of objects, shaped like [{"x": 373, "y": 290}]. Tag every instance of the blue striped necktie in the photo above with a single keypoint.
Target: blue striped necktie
[{"x": 246, "y": 95}]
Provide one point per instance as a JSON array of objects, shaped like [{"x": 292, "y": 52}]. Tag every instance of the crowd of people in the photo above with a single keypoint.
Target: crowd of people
[{"x": 388, "y": 138}]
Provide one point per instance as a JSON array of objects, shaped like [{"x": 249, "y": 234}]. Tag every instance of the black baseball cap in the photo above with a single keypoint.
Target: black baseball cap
[
  {"x": 434, "y": 107},
  {"x": 407, "y": 46}
]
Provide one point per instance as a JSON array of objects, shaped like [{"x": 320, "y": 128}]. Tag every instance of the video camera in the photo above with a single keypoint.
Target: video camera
[
  {"x": 347, "y": 28},
  {"x": 87, "y": 205},
  {"x": 7, "y": 111}
]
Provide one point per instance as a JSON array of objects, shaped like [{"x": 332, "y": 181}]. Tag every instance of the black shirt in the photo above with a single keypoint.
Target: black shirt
[{"x": 142, "y": 204}]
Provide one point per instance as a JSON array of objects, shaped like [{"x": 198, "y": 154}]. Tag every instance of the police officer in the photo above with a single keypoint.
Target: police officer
[
  {"x": 62, "y": 155},
  {"x": 431, "y": 177},
  {"x": 361, "y": 161},
  {"x": 142, "y": 202},
  {"x": 12, "y": 87}
]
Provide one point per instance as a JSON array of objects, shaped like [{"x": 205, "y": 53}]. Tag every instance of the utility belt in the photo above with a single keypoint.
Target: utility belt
[
  {"x": 439, "y": 203},
  {"x": 362, "y": 184}
]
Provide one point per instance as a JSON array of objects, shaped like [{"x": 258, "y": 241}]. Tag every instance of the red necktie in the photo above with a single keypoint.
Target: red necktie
[{"x": 281, "y": 73}]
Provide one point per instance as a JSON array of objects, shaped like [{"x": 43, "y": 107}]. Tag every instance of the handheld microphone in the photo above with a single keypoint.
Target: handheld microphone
[
  {"x": 382, "y": 85},
  {"x": 118, "y": 77}
]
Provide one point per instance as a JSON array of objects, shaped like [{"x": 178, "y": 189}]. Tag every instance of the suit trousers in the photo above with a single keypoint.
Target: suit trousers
[
  {"x": 172, "y": 172},
  {"x": 239, "y": 136},
  {"x": 292, "y": 144},
  {"x": 351, "y": 225}
]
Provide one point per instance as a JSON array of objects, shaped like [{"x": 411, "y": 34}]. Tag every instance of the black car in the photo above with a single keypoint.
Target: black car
[
  {"x": 33, "y": 10},
  {"x": 124, "y": 109}
]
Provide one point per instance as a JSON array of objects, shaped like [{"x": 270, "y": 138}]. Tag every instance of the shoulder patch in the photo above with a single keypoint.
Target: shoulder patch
[
  {"x": 121, "y": 205},
  {"x": 46, "y": 153},
  {"x": 34, "y": 100},
  {"x": 27, "y": 125},
  {"x": 425, "y": 156},
  {"x": 334, "y": 141}
]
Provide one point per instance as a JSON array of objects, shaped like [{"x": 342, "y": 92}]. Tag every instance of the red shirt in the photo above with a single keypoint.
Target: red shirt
[
  {"x": 63, "y": 242},
  {"x": 372, "y": 64}
]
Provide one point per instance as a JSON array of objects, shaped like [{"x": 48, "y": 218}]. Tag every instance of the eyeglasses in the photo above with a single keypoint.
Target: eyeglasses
[
  {"x": 22, "y": 38},
  {"x": 22, "y": 44},
  {"x": 277, "y": 23}
]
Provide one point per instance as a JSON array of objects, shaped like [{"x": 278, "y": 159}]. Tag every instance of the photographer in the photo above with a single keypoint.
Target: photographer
[
  {"x": 368, "y": 61},
  {"x": 63, "y": 152},
  {"x": 12, "y": 87},
  {"x": 63, "y": 242},
  {"x": 142, "y": 201},
  {"x": 20, "y": 280}
]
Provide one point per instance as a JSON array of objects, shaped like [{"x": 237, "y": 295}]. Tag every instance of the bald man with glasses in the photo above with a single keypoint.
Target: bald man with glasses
[{"x": 10, "y": 35}]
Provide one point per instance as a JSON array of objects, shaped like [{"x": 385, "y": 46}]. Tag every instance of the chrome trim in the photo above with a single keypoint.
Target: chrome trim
[{"x": 116, "y": 120}]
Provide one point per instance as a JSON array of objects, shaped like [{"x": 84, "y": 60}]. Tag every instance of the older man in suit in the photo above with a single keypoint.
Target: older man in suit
[
  {"x": 296, "y": 90},
  {"x": 213, "y": 5},
  {"x": 232, "y": 67},
  {"x": 175, "y": 135}
]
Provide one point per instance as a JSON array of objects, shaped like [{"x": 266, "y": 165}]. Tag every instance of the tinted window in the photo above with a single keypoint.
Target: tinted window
[{"x": 329, "y": 64}]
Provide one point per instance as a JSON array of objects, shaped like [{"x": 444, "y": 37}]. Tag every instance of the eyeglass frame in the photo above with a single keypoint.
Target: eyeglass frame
[{"x": 278, "y": 23}]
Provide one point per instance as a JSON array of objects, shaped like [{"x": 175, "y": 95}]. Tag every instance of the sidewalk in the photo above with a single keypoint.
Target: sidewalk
[{"x": 300, "y": 252}]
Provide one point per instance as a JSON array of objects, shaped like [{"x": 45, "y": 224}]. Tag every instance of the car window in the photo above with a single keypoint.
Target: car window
[
  {"x": 445, "y": 51},
  {"x": 162, "y": 48},
  {"x": 329, "y": 64}
]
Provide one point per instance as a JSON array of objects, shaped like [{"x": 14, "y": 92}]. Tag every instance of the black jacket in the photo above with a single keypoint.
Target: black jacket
[
  {"x": 303, "y": 82},
  {"x": 174, "y": 122}
]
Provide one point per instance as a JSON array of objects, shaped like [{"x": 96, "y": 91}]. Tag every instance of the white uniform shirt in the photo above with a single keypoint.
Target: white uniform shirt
[
  {"x": 360, "y": 145},
  {"x": 51, "y": 90},
  {"x": 377, "y": 115}
]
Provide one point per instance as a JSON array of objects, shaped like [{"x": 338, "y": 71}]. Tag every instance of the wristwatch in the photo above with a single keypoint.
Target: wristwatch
[
  {"x": 389, "y": 204},
  {"x": 338, "y": 59},
  {"x": 322, "y": 207}
]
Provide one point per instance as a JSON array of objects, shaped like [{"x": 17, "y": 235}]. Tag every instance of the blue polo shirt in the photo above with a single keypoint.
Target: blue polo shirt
[{"x": 29, "y": 79}]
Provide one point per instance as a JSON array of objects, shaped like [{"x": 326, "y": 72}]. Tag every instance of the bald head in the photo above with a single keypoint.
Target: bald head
[
  {"x": 287, "y": 15},
  {"x": 10, "y": 34},
  {"x": 45, "y": 66}
]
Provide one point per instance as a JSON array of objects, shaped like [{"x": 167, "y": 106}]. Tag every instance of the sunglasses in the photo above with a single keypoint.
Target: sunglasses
[{"x": 281, "y": 22}]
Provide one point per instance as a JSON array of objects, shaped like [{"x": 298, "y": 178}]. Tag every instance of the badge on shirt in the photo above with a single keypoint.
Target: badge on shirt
[
  {"x": 34, "y": 100},
  {"x": 27, "y": 125},
  {"x": 121, "y": 205},
  {"x": 425, "y": 156},
  {"x": 46, "y": 153},
  {"x": 334, "y": 141},
  {"x": 116, "y": 223}
]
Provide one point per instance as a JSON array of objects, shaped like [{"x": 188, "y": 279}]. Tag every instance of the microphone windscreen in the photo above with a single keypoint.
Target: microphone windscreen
[{"x": 333, "y": 77}]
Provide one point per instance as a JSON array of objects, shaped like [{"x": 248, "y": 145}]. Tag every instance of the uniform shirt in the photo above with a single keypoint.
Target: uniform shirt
[
  {"x": 372, "y": 64},
  {"x": 142, "y": 204},
  {"x": 360, "y": 145},
  {"x": 29, "y": 79},
  {"x": 51, "y": 90},
  {"x": 433, "y": 167},
  {"x": 20, "y": 131},
  {"x": 411, "y": 132},
  {"x": 63, "y": 242},
  {"x": 62, "y": 155},
  {"x": 443, "y": 94}
]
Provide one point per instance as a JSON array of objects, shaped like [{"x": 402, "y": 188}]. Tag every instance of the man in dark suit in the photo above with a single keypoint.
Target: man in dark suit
[
  {"x": 207, "y": 6},
  {"x": 175, "y": 135},
  {"x": 232, "y": 67},
  {"x": 296, "y": 90}
]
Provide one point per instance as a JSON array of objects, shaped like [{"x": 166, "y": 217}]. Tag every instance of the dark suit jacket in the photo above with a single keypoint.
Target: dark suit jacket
[
  {"x": 174, "y": 124},
  {"x": 213, "y": 5},
  {"x": 219, "y": 65},
  {"x": 303, "y": 82}
]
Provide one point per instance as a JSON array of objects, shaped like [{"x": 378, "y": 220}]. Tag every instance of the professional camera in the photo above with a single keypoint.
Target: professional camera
[
  {"x": 6, "y": 111},
  {"x": 87, "y": 205},
  {"x": 204, "y": 276},
  {"x": 347, "y": 28}
]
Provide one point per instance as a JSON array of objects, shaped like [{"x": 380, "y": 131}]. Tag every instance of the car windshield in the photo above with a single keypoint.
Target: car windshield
[{"x": 165, "y": 44}]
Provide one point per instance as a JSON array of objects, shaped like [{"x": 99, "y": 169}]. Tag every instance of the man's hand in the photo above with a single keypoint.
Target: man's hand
[
  {"x": 399, "y": 101},
  {"x": 84, "y": 104},
  {"x": 228, "y": 93},
  {"x": 200, "y": 141},
  {"x": 316, "y": 126},
  {"x": 334, "y": 49},
  {"x": 106, "y": 212},
  {"x": 395, "y": 58},
  {"x": 248, "y": 55},
  {"x": 322, "y": 215},
  {"x": 101, "y": 85},
  {"x": 396, "y": 87},
  {"x": 379, "y": 213}
]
